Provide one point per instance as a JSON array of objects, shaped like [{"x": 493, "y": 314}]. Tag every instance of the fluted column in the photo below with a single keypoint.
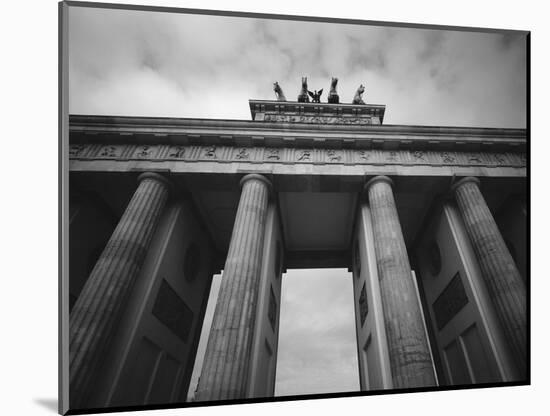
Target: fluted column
[
  {"x": 410, "y": 359},
  {"x": 98, "y": 308},
  {"x": 504, "y": 283},
  {"x": 228, "y": 353}
]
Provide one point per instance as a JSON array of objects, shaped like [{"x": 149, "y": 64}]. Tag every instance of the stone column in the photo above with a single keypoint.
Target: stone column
[
  {"x": 504, "y": 283},
  {"x": 226, "y": 364},
  {"x": 98, "y": 308},
  {"x": 410, "y": 359}
]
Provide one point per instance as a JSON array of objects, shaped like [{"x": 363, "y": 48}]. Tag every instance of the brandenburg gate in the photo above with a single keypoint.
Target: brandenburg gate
[{"x": 431, "y": 221}]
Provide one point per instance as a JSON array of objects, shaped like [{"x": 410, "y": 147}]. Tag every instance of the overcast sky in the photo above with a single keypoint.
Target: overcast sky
[
  {"x": 162, "y": 64},
  {"x": 159, "y": 64}
]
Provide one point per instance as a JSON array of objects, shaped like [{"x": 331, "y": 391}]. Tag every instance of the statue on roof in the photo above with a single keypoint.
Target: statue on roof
[
  {"x": 302, "y": 96},
  {"x": 333, "y": 97},
  {"x": 358, "y": 99},
  {"x": 278, "y": 92},
  {"x": 315, "y": 95}
]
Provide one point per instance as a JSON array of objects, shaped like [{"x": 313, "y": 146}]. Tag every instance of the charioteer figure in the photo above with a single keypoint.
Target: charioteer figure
[{"x": 315, "y": 95}]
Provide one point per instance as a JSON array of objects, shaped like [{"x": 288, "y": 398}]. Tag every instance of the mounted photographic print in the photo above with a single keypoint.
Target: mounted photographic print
[{"x": 263, "y": 208}]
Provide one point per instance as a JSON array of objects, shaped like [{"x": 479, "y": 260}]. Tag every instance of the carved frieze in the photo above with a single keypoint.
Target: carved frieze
[
  {"x": 293, "y": 118},
  {"x": 228, "y": 154}
]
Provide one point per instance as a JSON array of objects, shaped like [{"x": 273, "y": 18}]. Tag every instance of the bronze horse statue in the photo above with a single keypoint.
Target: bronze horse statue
[
  {"x": 333, "y": 97},
  {"x": 358, "y": 99},
  {"x": 302, "y": 96},
  {"x": 278, "y": 92}
]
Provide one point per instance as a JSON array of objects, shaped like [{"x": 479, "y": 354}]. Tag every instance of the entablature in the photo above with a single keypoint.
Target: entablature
[{"x": 206, "y": 132}]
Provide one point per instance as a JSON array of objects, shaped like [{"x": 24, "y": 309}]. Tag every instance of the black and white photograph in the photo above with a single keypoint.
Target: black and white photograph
[
  {"x": 241, "y": 208},
  {"x": 268, "y": 207}
]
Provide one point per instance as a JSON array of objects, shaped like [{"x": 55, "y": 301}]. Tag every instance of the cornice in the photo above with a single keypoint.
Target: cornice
[{"x": 156, "y": 130}]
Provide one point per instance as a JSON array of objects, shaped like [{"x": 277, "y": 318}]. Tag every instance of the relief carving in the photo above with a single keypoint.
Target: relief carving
[
  {"x": 108, "y": 151},
  {"x": 500, "y": 159},
  {"x": 334, "y": 156},
  {"x": 286, "y": 118},
  {"x": 410, "y": 157},
  {"x": 177, "y": 152},
  {"x": 243, "y": 154},
  {"x": 364, "y": 155},
  {"x": 448, "y": 158},
  {"x": 418, "y": 155},
  {"x": 76, "y": 149},
  {"x": 273, "y": 154},
  {"x": 210, "y": 152},
  {"x": 144, "y": 152},
  {"x": 305, "y": 155},
  {"x": 392, "y": 157},
  {"x": 473, "y": 158}
]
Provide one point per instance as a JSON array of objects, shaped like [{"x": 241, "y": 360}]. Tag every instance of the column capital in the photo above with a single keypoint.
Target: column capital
[
  {"x": 462, "y": 181},
  {"x": 376, "y": 179},
  {"x": 256, "y": 176},
  {"x": 160, "y": 178}
]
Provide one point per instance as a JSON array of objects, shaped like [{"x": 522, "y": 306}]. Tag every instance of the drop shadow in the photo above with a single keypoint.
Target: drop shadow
[{"x": 49, "y": 404}]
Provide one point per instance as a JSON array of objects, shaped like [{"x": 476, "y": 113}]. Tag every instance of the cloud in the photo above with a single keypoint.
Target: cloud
[{"x": 143, "y": 63}]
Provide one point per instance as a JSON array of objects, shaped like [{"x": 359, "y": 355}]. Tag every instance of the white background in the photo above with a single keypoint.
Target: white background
[{"x": 28, "y": 150}]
